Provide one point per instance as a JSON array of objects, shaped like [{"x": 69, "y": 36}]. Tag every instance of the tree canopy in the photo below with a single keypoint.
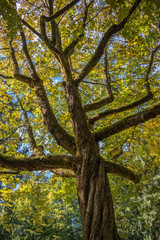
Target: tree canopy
[{"x": 80, "y": 97}]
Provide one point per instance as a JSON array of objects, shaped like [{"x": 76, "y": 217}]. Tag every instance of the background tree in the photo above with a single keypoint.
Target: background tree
[
  {"x": 42, "y": 207},
  {"x": 90, "y": 73}
]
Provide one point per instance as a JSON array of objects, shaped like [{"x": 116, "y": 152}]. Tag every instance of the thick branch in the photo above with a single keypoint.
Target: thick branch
[
  {"x": 48, "y": 43},
  {"x": 50, "y": 121},
  {"x": 120, "y": 109},
  {"x": 6, "y": 77},
  {"x": 30, "y": 65},
  {"x": 56, "y": 38},
  {"x": 15, "y": 63},
  {"x": 61, "y": 136},
  {"x": 60, "y": 12},
  {"x": 128, "y": 122},
  {"x": 115, "y": 28},
  {"x": 98, "y": 104},
  {"x": 31, "y": 28},
  {"x": 48, "y": 162},
  {"x": 24, "y": 79},
  {"x": 118, "y": 169}
]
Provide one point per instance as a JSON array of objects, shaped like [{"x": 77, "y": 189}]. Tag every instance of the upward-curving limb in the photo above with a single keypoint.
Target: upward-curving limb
[{"x": 115, "y": 28}]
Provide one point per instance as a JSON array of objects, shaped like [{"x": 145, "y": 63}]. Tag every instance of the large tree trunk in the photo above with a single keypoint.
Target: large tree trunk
[{"x": 95, "y": 200}]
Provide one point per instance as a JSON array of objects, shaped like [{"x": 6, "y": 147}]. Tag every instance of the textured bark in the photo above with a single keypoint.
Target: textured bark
[
  {"x": 95, "y": 200},
  {"x": 38, "y": 163},
  {"x": 78, "y": 116},
  {"x": 96, "y": 206}
]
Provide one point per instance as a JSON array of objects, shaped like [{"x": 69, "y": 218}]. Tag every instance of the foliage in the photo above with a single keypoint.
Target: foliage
[
  {"x": 137, "y": 208},
  {"x": 10, "y": 16},
  {"x": 34, "y": 204},
  {"x": 41, "y": 208}
]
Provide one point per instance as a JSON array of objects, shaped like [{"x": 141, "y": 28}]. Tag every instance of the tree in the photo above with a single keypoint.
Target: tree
[{"x": 111, "y": 45}]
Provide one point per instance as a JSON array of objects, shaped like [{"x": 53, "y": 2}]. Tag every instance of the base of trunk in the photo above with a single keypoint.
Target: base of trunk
[{"x": 96, "y": 205}]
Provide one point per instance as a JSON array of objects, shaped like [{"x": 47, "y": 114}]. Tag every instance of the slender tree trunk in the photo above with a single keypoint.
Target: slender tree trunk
[{"x": 95, "y": 199}]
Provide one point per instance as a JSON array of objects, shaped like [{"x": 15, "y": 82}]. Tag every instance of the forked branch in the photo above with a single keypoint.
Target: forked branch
[
  {"x": 120, "y": 109},
  {"x": 47, "y": 41},
  {"x": 60, "y": 12},
  {"x": 61, "y": 136},
  {"x": 130, "y": 106}
]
